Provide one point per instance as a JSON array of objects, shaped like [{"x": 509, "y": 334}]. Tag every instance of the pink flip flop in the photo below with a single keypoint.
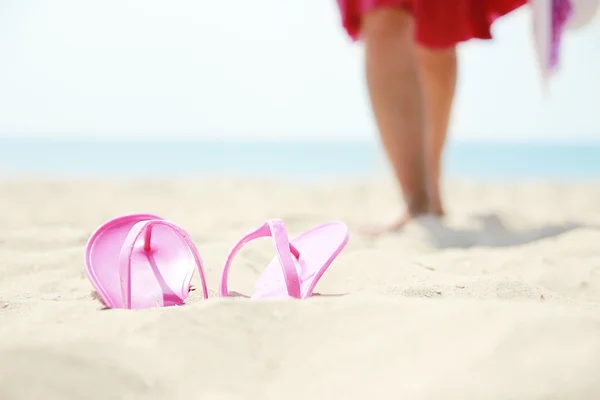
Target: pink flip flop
[
  {"x": 142, "y": 261},
  {"x": 299, "y": 264}
]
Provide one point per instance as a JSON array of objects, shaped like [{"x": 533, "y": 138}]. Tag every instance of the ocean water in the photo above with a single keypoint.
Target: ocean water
[{"x": 288, "y": 160}]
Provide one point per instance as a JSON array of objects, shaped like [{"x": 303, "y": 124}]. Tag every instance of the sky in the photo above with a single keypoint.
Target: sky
[{"x": 148, "y": 69}]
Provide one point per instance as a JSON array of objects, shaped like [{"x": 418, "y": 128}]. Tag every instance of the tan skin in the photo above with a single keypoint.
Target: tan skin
[{"x": 411, "y": 89}]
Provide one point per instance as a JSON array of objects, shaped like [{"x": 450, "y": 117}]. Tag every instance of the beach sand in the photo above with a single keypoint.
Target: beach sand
[{"x": 501, "y": 301}]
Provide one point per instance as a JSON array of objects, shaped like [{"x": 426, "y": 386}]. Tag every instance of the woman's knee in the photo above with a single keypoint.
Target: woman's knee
[
  {"x": 386, "y": 22},
  {"x": 436, "y": 55}
]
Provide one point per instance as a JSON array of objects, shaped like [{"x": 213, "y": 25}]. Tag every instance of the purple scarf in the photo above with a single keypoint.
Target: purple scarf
[{"x": 561, "y": 12}]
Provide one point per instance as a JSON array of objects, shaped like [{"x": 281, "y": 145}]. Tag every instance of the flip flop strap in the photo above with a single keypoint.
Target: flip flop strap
[
  {"x": 283, "y": 248},
  {"x": 145, "y": 228}
]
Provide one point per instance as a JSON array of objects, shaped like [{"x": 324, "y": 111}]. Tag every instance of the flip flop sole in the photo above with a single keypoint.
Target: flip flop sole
[
  {"x": 102, "y": 256},
  {"x": 318, "y": 247},
  {"x": 142, "y": 261}
]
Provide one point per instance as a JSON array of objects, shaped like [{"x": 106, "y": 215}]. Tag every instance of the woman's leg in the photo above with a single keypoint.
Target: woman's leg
[
  {"x": 397, "y": 101},
  {"x": 438, "y": 70}
]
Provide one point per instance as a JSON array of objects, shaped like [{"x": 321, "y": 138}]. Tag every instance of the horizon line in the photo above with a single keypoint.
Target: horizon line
[{"x": 237, "y": 139}]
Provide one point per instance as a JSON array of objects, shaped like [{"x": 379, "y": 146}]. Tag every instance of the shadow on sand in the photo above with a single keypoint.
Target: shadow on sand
[{"x": 492, "y": 232}]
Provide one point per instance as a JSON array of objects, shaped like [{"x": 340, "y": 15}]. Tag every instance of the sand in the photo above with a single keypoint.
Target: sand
[{"x": 501, "y": 301}]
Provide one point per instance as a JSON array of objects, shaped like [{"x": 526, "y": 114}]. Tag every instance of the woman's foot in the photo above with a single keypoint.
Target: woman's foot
[
  {"x": 415, "y": 211},
  {"x": 396, "y": 225},
  {"x": 435, "y": 205}
]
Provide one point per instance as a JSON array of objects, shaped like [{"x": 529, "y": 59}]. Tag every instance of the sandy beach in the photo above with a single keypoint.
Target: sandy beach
[{"x": 501, "y": 301}]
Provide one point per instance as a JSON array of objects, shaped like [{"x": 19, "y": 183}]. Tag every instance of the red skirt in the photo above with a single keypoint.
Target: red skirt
[{"x": 438, "y": 23}]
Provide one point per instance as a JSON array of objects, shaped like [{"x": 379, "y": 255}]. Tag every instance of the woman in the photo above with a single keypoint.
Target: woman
[{"x": 411, "y": 68}]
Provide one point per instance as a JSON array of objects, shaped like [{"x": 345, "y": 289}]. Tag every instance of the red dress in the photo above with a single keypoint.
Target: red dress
[{"x": 438, "y": 23}]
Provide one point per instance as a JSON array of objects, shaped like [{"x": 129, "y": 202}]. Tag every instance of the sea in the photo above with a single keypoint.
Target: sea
[{"x": 302, "y": 160}]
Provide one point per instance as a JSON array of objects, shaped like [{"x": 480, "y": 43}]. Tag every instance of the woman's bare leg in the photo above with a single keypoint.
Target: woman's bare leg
[
  {"x": 398, "y": 106},
  {"x": 438, "y": 70}
]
